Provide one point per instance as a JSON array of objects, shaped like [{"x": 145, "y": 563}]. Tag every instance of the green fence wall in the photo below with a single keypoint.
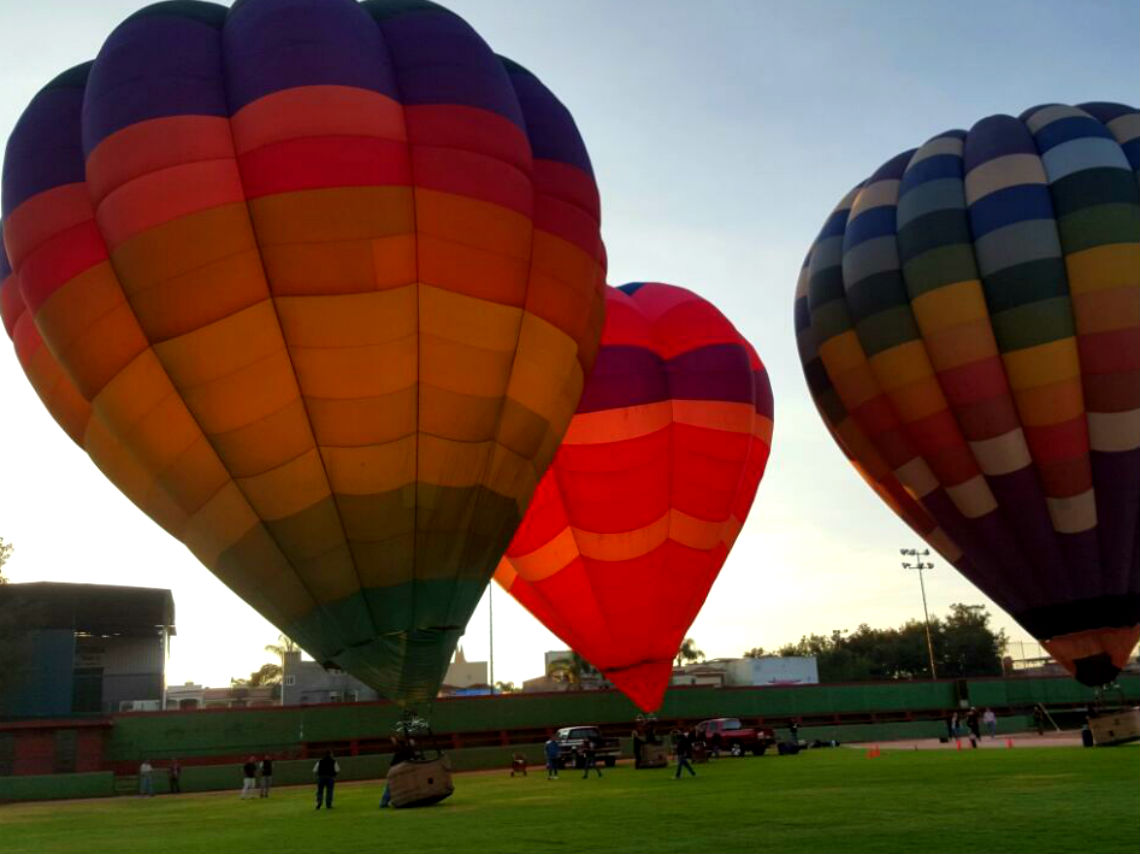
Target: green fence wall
[
  {"x": 283, "y": 730},
  {"x": 98, "y": 784}
]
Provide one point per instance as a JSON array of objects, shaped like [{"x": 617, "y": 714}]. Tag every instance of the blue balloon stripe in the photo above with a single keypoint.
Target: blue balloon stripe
[{"x": 1013, "y": 204}]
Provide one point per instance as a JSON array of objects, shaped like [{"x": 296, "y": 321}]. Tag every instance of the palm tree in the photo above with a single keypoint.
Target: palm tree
[
  {"x": 270, "y": 674},
  {"x": 689, "y": 653}
]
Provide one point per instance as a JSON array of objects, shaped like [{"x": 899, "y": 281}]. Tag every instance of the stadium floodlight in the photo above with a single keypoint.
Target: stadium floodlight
[{"x": 922, "y": 565}]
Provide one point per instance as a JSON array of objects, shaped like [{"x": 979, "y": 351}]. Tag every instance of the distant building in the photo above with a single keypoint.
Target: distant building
[
  {"x": 75, "y": 649},
  {"x": 308, "y": 682},
  {"x": 465, "y": 678},
  {"x": 749, "y": 672},
  {"x": 773, "y": 670},
  {"x": 191, "y": 696},
  {"x": 559, "y": 675}
]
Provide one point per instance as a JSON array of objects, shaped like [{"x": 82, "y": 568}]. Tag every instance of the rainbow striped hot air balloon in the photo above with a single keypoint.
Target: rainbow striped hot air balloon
[
  {"x": 969, "y": 325},
  {"x": 316, "y": 284},
  {"x": 636, "y": 516}
]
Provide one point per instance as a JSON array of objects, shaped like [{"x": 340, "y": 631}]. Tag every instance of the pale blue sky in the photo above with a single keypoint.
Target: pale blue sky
[{"x": 722, "y": 133}]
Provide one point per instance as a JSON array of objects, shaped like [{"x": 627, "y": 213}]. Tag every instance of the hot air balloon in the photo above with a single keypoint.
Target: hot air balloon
[
  {"x": 969, "y": 326},
  {"x": 634, "y": 519},
  {"x": 316, "y": 284}
]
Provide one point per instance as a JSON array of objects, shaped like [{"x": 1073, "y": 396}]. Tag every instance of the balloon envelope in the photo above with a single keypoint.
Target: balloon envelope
[
  {"x": 316, "y": 284},
  {"x": 969, "y": 325},
  {"x": 655, "y": 477}
]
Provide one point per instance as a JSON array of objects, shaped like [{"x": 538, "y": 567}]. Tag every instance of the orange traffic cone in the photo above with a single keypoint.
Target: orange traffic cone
[
  {"x": 958, "y": 742},
  {"x": 1009, "y": 743}
]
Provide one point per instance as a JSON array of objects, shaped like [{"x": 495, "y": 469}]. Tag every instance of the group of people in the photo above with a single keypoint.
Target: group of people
[
  {"x": 973, "y": 722},
  {"x": 326, "y": 769},
  {"x": 587, "y": 756},
  {"x": 257, "y": 776}
]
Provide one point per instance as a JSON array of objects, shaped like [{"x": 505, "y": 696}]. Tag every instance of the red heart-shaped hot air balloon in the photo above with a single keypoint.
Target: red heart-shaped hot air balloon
[{"x": 650, "y": 488}]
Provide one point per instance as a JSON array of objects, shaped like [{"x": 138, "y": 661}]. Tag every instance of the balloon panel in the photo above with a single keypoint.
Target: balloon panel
[
  {"x": 969, "y": 324},
  {"x": 316, "y": 285},
  {"x": 655, "y": 477}
]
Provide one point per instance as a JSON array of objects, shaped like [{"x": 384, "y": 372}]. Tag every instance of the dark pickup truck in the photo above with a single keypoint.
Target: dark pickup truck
[
  {"x": 572, "y": 741},
  {"x": 729, "y": 734}
]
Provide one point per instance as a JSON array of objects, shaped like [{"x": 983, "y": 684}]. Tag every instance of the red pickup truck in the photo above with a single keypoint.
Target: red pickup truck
[{"x": 729, "y": 734}]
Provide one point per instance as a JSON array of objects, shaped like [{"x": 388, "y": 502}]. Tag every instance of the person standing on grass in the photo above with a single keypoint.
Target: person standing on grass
[
  {"x": 174, "y": 775},
  {"x": 1039, "y": 719},
  {"x": 146, "y": 780},
  {"x": 954, "y": 725},
  {"x": 590, "y": 754},
  {"x": 248, "y": 777},
  {"x": 266, "y": 775},
  {"x": 990, "y": 720},
  {"x": 551, "y": 751},
  {"x": 403, "y": 751},
  {"x": 326, "y": 770},
  {"x": 683, "y": 745},
  {"x": 972, "y": 725}
]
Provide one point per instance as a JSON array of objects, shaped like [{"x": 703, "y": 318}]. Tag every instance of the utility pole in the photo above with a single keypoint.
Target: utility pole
[
  {"x": 491, "y": 627},
  {"x": 921, "y": 565}
]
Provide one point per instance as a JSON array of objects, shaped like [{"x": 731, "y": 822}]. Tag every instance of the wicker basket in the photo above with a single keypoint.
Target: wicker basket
[
  {"x": 653, "y": 756},
  {"x": 420, "y": 782},
  {"x": 1118, "y": 727}
]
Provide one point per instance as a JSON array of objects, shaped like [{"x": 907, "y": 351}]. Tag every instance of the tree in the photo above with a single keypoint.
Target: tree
[
  {"x": 506, "y": 687},
  {"x": 689, "y": 652},
  {"x": 571, "y": 669},
  {"x": 267, "y": 674},
  {"x": 755, "y": 652},
  {"x": 964, "y": 646},
  {"x": 272, "y": 673},
  {"x": 5, "y": 553}
]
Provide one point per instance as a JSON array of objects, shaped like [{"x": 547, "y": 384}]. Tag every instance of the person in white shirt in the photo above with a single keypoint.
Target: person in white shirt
[
  {"x": 990, "y": 720},
  {"x": 146, "y": 780}
]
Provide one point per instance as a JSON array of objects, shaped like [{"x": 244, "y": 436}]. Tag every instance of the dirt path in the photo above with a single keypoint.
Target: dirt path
[{"x": 1002, "y": 742}]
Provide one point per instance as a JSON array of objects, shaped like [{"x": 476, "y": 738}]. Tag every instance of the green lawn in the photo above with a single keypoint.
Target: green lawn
[{"x": 1032, "y": 800}]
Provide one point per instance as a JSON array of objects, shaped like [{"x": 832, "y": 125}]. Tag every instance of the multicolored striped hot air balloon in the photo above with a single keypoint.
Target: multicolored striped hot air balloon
[
  {"x": 316, "y": 284},
  {"x": 654, "y": 479},
  {"x": 969, "y": 324}
]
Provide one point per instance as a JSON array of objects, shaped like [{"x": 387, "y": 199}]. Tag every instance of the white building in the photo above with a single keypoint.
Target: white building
[
  {"x": 463, "y": 675},
  {"x": 749, "y": 672}
]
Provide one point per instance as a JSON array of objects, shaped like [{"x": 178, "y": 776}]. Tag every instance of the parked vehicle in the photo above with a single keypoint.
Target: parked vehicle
[
  {"x": 729, "y": 734},
  {"x": 571, "y": 746}
]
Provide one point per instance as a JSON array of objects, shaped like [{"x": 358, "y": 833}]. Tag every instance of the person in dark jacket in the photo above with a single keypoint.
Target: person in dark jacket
[
  {"x": 266, "y": 775},
  {"x": 683, "y": 744},
  {"x": 403, "y": 751},
  {"x": 590, "y": 757},
  {"x": 174, "y": 775},
  {"x": 972, "y": 723},
  {"x": 248, "y": 777},
  {"x": 552, "y": 752},
  {"x": 326, "y": 770}
]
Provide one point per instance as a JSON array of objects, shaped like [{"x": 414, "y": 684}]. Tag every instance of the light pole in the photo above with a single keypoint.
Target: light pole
[
  {"x": 920, "y": 565},
  {"x": 491, "y": 628}
]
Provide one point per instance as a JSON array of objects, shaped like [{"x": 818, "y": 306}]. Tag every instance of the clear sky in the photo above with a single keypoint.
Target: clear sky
[{"x": 722, "y": 134}]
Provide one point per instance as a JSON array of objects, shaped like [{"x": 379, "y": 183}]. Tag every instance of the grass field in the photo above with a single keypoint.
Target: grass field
[{"x": 1031, "y": 800}]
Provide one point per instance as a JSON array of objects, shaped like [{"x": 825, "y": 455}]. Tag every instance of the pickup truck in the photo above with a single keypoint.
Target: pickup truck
[
  {"x": 729, "y": 734},
  {"x": 571, "y": 746}
]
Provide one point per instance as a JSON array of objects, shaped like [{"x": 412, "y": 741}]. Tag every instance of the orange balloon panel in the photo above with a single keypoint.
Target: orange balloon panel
[
  {"x": 650, "y": 488},
  {"x": 316, "y": 285}
]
